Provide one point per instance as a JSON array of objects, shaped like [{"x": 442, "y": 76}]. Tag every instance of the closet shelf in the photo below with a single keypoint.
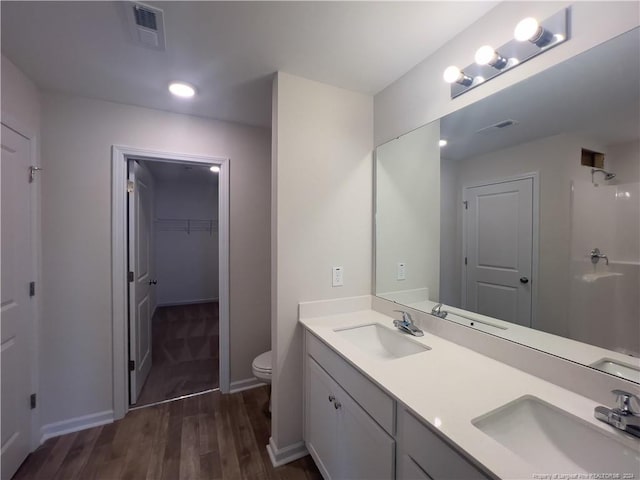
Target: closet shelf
[{"x": 187, "y": 225}]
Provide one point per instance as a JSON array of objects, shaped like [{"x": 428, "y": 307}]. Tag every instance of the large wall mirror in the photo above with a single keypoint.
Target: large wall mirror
[{"x": 526, "y": 224}]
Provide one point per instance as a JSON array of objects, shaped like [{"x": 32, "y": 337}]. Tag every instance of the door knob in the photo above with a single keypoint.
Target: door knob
[
  {"x": 524, "y": 280},
  {"x": 153, "y": 282}
]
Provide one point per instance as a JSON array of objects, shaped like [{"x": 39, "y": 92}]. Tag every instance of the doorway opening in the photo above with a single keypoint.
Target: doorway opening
[
  {"x": 170, "y": 276},
  {"x": 173, "y": 284}
]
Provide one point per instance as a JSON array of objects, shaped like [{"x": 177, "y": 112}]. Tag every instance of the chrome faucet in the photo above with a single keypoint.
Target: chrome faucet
[
  {"x": 626, "y": 416},
  {"x": 438, "y": 312},
  {"x": 407, "y": 325},
  {"x": 596, "y": 255}
]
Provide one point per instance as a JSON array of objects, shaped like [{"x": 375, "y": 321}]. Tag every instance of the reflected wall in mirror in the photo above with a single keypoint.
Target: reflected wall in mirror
[{"x": 538, "y": 197}]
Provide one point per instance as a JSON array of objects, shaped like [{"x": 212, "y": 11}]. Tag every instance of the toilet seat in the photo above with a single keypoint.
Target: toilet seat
[{"x": 261, "y": 366}]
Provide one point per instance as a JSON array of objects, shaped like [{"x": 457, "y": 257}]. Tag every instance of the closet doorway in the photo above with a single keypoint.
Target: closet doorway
[{"x": 171, "y": 244}]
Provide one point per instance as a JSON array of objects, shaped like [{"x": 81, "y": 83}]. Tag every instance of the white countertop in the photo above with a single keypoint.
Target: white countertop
[{"x": 449, "y": 386}]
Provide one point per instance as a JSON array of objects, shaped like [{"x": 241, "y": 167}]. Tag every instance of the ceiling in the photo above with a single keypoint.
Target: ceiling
[
  {"x": 595, "y": 94},
  {"x": 228, "y": 50}
]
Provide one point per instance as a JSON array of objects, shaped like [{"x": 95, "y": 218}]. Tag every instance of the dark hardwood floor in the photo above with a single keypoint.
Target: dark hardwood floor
[
  {"x": 184, "y": 352},
  {"x": 210, "y": 436}
]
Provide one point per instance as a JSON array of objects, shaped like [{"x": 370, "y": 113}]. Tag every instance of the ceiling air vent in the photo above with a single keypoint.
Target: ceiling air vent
[
  {"x": 146, "y": 24},
  {"x": 498, "y": 126}
]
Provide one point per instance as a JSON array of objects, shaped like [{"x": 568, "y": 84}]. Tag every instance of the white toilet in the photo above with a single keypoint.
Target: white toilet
[{"x": 261, "y": 367}]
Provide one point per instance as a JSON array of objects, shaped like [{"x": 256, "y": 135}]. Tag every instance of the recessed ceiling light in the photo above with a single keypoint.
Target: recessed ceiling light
[
  {"x": 442, "y": 142},
  {"x": 215, "y": 168},
  {"x": 181, "y": 89}
]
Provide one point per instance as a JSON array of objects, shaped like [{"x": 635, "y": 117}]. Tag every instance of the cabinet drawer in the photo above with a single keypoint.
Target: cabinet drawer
[
  {"x": 373, "y": 400},
  {"x": 432, "y": 454}
]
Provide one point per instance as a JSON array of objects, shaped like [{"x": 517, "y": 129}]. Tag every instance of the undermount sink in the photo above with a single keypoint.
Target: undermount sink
[
  {"x": 619, "y": 369},
  {"x": 554, "y": 441},
  {"x": 381, "y": 342}
]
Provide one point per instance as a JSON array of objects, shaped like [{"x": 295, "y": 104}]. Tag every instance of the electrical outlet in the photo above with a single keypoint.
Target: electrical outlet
[
  {"x": 337, "y": 279},
  {"x": 402, "y": 271}
]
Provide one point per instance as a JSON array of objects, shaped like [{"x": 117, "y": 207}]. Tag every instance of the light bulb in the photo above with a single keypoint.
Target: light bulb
[
  {"x": 526, "y": 29},
  {"x": 485, "y": 54},
  {"x": 181, "y": 89},
  {"x": 442, "y": 142},
  {"x": 452, "y": 74},
  {"x": 215, "y": 168}
]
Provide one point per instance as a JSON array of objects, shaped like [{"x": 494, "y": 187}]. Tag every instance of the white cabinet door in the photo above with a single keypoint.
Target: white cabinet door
[
  {"x": 366, "y": 450},
  {"x": 343, "y": 439},
  {"x": 321, "y": 419},
  {"x": 15, "y": 311}
]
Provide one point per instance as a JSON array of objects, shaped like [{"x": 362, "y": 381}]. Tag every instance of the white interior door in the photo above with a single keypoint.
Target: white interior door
[
  {"x": 499, "y": 248},
  {"x": 140, "y": 277},
  {"x": 15, "y": 309}
]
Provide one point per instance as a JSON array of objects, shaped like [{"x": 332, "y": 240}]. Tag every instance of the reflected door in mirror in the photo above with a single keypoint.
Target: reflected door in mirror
[{"x": 499, "y": 241}]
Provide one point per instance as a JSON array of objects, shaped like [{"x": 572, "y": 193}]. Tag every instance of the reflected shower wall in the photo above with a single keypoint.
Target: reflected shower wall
[{"x": 604, "y": 299}]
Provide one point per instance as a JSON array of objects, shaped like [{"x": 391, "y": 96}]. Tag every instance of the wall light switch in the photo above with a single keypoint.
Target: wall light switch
[
  {"x": 337, "y": 277},
  {"x": 402, "y": 271}
]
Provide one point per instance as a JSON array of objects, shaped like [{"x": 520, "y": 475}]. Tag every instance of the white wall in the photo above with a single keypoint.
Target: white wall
[
  {"x": 557, "y": 160},
  {"x": 20, "y": 98},
  {"x": 421, "y": 96},
  {"x": 186, "y": 263},
  {"x": 77, "y": 138},
  {"x": 322, "y": 171},
  {"x": 450, "y": 287},
  {"x": 408, "y": 212},
  {"x": 624, "y": 160}
]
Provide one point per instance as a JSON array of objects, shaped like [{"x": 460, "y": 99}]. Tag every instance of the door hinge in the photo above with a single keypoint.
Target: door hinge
[
  {"x": 32, "y": 289},
  {"x": 129, "y": 186},
  {"x": 132, "y": 365},
  {"x": 32, "y": 401},
  {"x": 465, "y": 260},
  {"x": 466, "y": 204},
  {"x": 130, "y": 276}
]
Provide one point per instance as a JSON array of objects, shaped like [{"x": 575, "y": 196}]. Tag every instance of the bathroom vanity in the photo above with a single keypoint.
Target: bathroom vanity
[{"x": 383, "y": 404}]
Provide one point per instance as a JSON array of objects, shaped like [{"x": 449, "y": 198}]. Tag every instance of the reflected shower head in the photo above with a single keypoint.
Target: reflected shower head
[{"x": 607, "y": 175}]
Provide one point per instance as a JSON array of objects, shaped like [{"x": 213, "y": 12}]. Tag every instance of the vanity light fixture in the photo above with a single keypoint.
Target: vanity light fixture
[
  {"x": 529, "y": 29},
  {"x": 442, "y": 142},
  {"x": 530, "y": 39},
  {"x": 453, "y": 74},
  {"x": 214, "y": 168},
  {"x": 182, "y": 89}
]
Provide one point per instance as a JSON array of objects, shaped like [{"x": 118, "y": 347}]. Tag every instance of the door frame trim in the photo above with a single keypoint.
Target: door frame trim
[
  {"x": 119, "y": 285},
  {"x": 535, "y": 177},
  {"x": 35, "y": 212}
]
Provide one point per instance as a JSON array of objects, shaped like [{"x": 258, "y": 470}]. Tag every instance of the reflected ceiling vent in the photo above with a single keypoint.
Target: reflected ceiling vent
[
  {"x": 146, "y": 24},
  {"x": 498, "y": 126}
]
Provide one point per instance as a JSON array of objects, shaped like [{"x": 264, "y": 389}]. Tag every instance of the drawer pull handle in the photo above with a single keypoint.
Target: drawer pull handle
[
  {"x": 337, "y": 405},
  {"x": 331, "y": 398}
]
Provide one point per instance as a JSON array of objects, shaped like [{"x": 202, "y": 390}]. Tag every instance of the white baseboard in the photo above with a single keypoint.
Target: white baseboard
[
  {"x": 246, "y": 384},
  {"x": 75, "y": 424},
  {"x": 281, "y": 456},
  {"x": 187, "y": 302}
]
